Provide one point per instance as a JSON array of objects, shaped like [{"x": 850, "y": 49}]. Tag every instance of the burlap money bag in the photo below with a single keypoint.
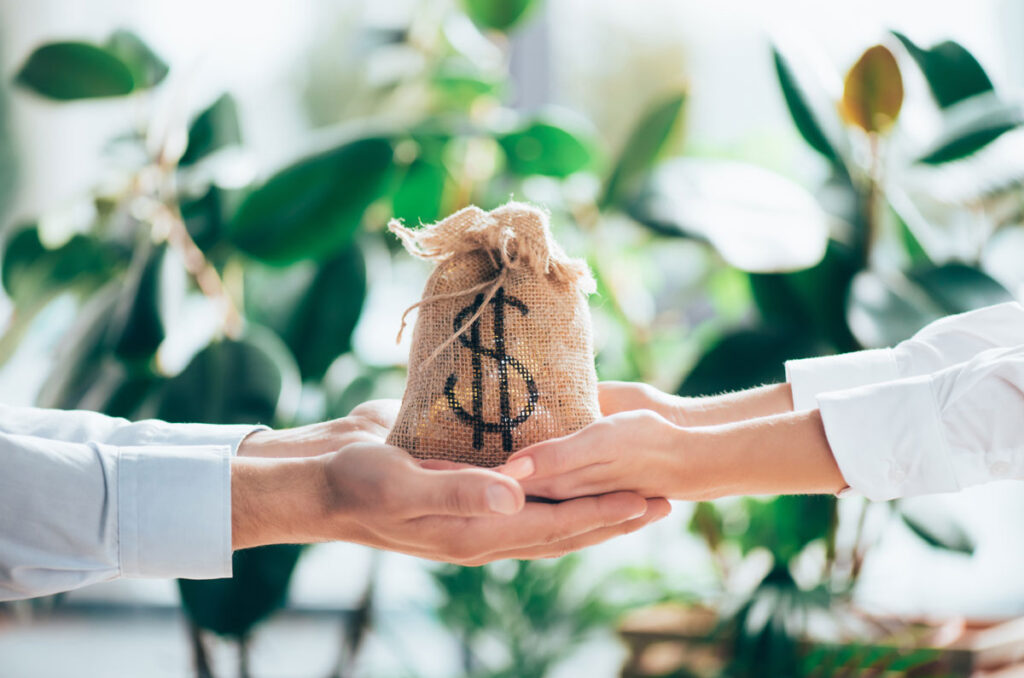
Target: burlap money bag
[{"x": 502, "y": 354}]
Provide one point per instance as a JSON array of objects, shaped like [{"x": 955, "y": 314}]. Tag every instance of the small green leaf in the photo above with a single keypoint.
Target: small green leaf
[
  {"x": 937, "y": 531},
  {"x": 257, "y": 588},
  {"x": 204, "y": 217},
  {"x": 215, "y": 128},
  {"x": 313, "y": 208},
  {"x": 799, "y": 109},
  {"x": 873, "y": 91},
  {"x": 147, "y": 69},
  {"x": 500, "y": 15},
  {"x": 952, "y": 73},
  {"x": 420, "y": 192},
  {"x": 756, "y": 219},
  {"x": 67, "y": 71},
  {"x": 548, "y": 145},
  {"x": 642, "y": 149},
  {"x": 746, "y": 358}
]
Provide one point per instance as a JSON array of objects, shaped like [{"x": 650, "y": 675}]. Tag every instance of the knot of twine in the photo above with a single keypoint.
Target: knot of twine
[{"x": 517, "y": 233}]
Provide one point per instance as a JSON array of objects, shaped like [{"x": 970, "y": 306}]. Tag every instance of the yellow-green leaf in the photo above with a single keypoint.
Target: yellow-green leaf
[{"x": 873, "y": 92}]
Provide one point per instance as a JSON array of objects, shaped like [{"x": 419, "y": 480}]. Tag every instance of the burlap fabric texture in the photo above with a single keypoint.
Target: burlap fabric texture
[{"x": 502, "y": 354}]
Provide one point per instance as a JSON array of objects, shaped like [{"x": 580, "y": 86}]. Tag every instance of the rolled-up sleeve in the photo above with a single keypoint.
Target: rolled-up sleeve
[
  {"x": 79, "y": 513},
  {"x": 941, "y": 432},
  {"x": 944, "y": 343}
]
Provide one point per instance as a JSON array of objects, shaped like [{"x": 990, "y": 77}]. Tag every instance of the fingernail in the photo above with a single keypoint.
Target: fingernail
[
  {"x": 519, "y": 468},
  {"x": 501, "y": 500}
]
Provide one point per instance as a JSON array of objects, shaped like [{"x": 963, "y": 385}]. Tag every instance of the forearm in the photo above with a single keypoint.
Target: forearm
[
  {"x": 782, "y": 454},
  {"x": 763, "y": 401},
  {"x": 278, "y": 501}
]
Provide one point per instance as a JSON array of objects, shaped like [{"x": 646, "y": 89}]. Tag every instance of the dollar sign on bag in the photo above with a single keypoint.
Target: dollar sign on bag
[{"x": 507, "y": 422}]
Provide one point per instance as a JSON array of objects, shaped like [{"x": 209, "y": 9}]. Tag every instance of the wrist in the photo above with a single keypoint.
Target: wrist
[{"x": 280, "y": 501}]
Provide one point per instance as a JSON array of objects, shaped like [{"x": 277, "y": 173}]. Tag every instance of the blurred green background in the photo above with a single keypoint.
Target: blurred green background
[{"x": 194, "y": 201}]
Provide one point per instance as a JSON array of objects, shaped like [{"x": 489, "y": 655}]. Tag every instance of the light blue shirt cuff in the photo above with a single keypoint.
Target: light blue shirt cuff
[{"x": 174, "y": 510}]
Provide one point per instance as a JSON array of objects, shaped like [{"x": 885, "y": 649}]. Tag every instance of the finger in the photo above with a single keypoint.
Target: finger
[
  {"x": 539, "y": 523},
  {"x": 620, "y": 396},
  {"x": 443, "y": 464},
  {"x": 656, "y": 510},
  {"x": 560, "y": 455},
  {"x": 461, "y": 492}
]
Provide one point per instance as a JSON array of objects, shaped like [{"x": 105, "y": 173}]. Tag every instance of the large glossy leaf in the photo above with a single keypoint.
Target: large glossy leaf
[
  {"x": 313, "y": 208},
  {"x": 756, "y": 219},
  {"x": 873, "y": 91},
  {"x": 643, "y": 148},
  {"x": 75, "y": 70},
  {"x": 499, "y": 15},
  {"x": 33, "y": 272},
  {"x": 315, "y": 312},
  {"x": 747, "y": 358},
  {"x": 150, "y": 298},
  {"x": 883, "y": 311},
  {"x": 147, "y": 69},
  {"x": 551, "y": 145},
  {"x": 970, "y": 126},
  {"x": 230, "y": 382},
  {"x": 800, "y": 110},
  {"x": 952, "y": 73},
  {"x": 786, "y": 525},
  {"x": 808, "y": 299},
  {"x": 258, "y": 587},
  {"x": 214, "y": 128}
]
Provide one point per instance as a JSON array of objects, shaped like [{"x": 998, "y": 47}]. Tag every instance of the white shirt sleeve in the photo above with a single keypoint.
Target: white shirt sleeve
[
  {"x": 86, "y": 498},
  {"x": 942, "y": 432},
  {"x": 82, "y": 426},
  {"x": 946, "y": 342}
]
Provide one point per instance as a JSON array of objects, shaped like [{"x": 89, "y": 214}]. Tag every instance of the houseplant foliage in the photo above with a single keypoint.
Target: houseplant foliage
[{"x": 264, "y": 284}]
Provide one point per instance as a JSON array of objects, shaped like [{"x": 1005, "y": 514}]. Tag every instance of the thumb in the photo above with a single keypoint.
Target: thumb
[{"x": 466, "y": 492}]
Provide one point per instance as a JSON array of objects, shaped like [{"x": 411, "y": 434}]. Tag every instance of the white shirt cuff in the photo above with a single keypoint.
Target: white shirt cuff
[
  {"x": 887, "y": 439},
  {"x": 811, "y": 377},
  {"x": 174, "y": 511}
]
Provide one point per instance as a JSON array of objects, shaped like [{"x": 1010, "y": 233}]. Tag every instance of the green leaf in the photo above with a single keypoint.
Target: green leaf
[
  {"x": 419, "y": 194},
  {"x": 67, "y": 71},
  {"x": 549, "y": 145},
  {"x": 500, "y": 15},
  {"x": 215, "y": 128},
  {"x": 257, "y": 588},
  {"x": 458, "y": 83},
  {"x": 952, "y": 73},
  {"x": 873, "y": 91},
  {"x": 205, "y": 217},
  {"x": 800, "y": 110},
  {"x": 313, "y": 208},
  {"x": 746, "y": 358},
  {"x": 147, "y": 69},
  {"x": 230, "y": 382},
  {"x": 970, "y": 126},
  {"x": 643, "y": 148},
  {"x": 756, "y": 219},
  {"x": 883, "y": 311},
  {"x": 941, "y": 532},
  {"x": 33, "y": 272},
  {"x": 314, "y": 314}
]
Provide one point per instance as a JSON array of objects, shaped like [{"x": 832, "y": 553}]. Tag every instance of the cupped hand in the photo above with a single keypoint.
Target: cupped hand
[{"x": 376, "y": 494}]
